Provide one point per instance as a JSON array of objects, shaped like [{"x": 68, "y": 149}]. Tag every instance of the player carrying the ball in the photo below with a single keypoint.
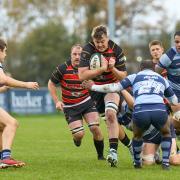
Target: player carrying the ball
[{"x": 112, "y": 69}]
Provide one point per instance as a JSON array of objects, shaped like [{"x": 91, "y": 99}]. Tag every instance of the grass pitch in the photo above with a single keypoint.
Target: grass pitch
[{"x": 45, "y": 144}]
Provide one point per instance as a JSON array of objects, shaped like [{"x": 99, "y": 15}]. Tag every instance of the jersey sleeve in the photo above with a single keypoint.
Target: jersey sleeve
[
  {"x": 120, "y": 58},
  {"x": 57, "y": 74},
  {"x": 128, "y": 81},
  {"x": 85, "y": 56},
  {"x": 166, "y": 59}
]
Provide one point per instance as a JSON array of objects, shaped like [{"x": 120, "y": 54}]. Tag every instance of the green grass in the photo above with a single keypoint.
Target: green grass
[{"x": 45, "y": 144}]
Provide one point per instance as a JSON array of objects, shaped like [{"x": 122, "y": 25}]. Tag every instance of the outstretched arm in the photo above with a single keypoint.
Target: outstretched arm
[
  {"x": 106, "y": 88},
  {"x": 9, "y": 81}
]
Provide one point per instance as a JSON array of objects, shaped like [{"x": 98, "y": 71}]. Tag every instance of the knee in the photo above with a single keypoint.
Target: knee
[
  {"x": 95, "y": 129},
  {"x": 148, "y": 159},
  {"x": 111, "y": 111},
  {"x": 13, "y": 123},
  {"x": 110, "y": 115},
  {"x": 79, "y": 135}
]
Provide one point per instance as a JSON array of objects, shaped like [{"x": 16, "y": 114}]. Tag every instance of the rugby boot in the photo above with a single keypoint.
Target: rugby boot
[{"x": 112, "y": 157}]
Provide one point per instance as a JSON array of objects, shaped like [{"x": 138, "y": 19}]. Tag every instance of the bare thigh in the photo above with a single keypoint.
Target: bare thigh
[{"x": 91, "y": 117}]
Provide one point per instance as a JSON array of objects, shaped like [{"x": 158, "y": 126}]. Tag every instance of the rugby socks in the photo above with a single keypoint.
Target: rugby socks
[
  {"x": 137, "y": 148},
  {"x": 126, "y": 141},
  {"x": 0, "y": 154},
  {"x": 5, "y": 154},
  {"x": 166, "y": 149},
  {"x": 99, "y": 145},
  {"x": 113, "y": 143}
]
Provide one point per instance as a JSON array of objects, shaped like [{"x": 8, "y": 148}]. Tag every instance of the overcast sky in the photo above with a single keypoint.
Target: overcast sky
[{"x": 173, "y": 7}]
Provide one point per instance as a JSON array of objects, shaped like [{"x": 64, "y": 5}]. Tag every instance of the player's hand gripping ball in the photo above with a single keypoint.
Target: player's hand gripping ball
[{"x": 95, "y": 61}]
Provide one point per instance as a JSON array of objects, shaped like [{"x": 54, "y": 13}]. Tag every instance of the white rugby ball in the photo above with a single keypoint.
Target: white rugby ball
[
  {"x": 177, "y": 116},
  {"x": 95, "y": 61}
]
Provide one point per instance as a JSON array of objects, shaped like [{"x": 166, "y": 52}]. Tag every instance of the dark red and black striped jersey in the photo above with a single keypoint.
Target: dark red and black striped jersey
[
  {"x": 113, "y": 51},
  {"x": 71, "y": 87}
]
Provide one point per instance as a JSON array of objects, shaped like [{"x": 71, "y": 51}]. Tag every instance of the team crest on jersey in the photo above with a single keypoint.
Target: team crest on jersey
[{"x": 76, "y": 94}]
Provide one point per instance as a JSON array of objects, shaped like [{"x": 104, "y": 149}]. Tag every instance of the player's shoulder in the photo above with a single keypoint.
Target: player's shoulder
[
  {"x": 114, "y": 45},
  {"x": 89, "y": 48},
  {"x": 87, "y": 51},
  {"x": 62, "y": 67},
  {"x": 171, "y": 52}
]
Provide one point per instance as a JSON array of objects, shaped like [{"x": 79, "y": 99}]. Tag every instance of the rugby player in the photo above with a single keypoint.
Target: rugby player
[
  {"x": 112, "y": 69},
  {"x": 170, "y": 61},
  {"x": 76, "y": 102},
  {"x": 8, "y": 124},
  {"x": 148, "y": 88}
]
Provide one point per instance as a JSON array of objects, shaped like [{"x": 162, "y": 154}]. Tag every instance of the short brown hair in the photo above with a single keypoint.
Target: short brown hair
[
  {"x": 155, "y": 42},
  {"x": 3, "y": 44},
  {"x": 98, "y": 31}
]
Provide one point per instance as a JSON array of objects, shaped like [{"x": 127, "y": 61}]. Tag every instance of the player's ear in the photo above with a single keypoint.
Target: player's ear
[{"x": 162, "y": 50}]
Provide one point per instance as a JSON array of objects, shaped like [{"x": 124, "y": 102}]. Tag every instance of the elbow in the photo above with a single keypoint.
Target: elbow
[{"x": 3, "y": 81}]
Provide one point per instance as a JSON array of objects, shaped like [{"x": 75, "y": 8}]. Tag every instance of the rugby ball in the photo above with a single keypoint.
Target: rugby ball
[{"x": 95, "y": 61}]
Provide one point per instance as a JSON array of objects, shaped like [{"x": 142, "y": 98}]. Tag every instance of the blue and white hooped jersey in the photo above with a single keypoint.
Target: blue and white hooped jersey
[
  {"x": 171, "y": 62},
  {"x": 148, "y": 87}
]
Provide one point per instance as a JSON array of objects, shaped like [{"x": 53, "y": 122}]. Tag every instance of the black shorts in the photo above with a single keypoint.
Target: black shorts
[
  {"x": 98, "y": 99},
  {"x": 77, "y": 112}
]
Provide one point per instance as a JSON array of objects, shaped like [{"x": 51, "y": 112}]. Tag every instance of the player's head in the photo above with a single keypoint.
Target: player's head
[
  {"x": 3, "y": 48},
  {"x": 100, "y": 37},
  {"x": 156, "y": 50},
  {"x": 177, "y": 40},
  {"x": 147, "y": 64},
  {"x": 75, "y": 54}
]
